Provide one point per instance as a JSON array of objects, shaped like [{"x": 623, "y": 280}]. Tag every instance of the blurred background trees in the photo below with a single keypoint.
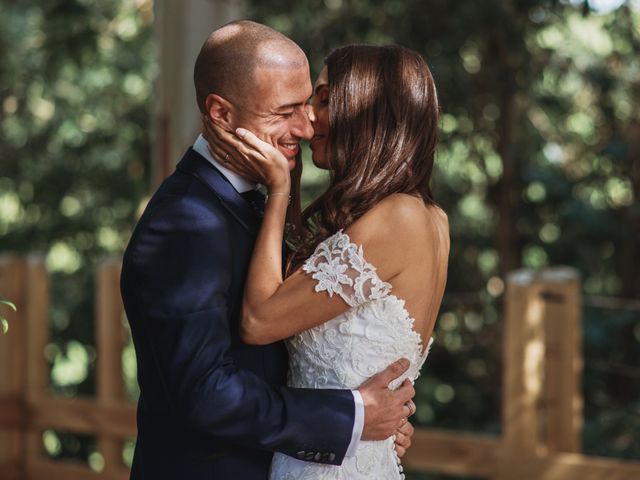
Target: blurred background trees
[{"x": 539, "y": 164}]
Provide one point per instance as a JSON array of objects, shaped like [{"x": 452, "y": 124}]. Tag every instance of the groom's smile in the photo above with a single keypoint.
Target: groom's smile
[{"x": 289, "y": 149}]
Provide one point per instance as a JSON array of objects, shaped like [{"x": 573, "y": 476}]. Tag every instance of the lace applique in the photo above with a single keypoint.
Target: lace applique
[{"x": 339, "y": 267}]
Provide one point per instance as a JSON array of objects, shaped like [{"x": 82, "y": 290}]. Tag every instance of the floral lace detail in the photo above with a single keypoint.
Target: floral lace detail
[
  {"x": 340, "y": 268},
  {"x": 345, "y": 351}
]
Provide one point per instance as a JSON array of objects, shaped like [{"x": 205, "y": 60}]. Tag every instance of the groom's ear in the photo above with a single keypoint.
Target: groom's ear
[{"x": 219, "y": 110}]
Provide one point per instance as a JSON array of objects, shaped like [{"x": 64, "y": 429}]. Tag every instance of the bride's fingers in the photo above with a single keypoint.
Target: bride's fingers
[
  {"x": 209, "y": 131},
  {"x": 224, "y": 138},
  {"x": 266, "y": 150},
  {"x": 251, "y": 157},
  {"x": 240, "y": 169},
  {"x": 242, "y": 163},
  {"x": 216, "y": 152},
  {"x": 219, "y": 136},
  {"x": 250, "y": 139},
  {"x": 225, "y": 146},
  {"x": 230, "y": 159}
]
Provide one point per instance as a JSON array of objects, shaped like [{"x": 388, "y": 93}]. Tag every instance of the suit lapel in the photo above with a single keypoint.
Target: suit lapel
[{"x": 196, "y": 165}]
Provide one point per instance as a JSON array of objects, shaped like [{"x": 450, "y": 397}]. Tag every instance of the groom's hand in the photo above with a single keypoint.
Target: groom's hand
[
  {"x": 403, "y": 439},
  {"x": 385, "y": 411}
]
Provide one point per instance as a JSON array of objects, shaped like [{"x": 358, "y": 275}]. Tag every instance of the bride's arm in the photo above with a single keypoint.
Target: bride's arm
[{"x": 273, "y": 308}]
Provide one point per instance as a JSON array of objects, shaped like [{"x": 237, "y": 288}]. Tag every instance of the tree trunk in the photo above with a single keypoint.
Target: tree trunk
[
  {"x": 181, "y": 29},
  {"x": 630, "y": 254}
]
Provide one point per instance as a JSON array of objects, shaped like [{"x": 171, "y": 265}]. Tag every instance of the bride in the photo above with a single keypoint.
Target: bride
[{"x": 364, "y": 285}]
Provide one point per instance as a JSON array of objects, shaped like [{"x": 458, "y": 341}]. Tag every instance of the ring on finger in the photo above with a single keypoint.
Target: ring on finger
[
  {"x": 403, "y": 420},
  {"x": 226, "y": 158},
  {"x": 411, "y": 407}
]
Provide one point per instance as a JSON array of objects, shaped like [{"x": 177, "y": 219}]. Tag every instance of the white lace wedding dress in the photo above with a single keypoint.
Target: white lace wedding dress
[{"x": 347, "y": 350}]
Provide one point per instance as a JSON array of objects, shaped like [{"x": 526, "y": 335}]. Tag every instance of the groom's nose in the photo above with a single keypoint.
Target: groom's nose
[
  {"x": 301, "y": 126},
  {"x": 310, "y": 113}
]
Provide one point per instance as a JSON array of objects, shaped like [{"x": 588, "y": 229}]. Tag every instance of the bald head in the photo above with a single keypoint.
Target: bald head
[{"x": 230, "y": 56}]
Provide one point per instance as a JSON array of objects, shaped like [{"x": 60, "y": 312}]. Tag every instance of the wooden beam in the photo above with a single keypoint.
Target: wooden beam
[
  {"x": 453, "y": 453},
  {"x": 81, "y": 415},
  {"x": 37, "y": 324},
  {"x": 13, "y": 361},
  {"x": 542, "y": 392},
  {"x": 12, "y": 412},
  {"x": 523, "y": 363},
  {"x": 564, "y": 466},
  {"x": 41, "y": 469},
  {"x": 563, "y": 360},
  {"x": 37, "y": 327},
  {"x": 12, "y": 471},
  {"x": 110, "y": 341}
]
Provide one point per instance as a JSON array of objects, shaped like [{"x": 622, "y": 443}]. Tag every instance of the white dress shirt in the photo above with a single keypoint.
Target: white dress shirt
[{"x": 243, "y": 185}]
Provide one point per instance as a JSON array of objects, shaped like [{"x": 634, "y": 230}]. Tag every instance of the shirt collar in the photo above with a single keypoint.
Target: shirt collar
[{"x": 240, "y": 184}]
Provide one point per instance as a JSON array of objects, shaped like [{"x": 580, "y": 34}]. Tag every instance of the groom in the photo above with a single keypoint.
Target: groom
[{"x": 210, "y": 406}]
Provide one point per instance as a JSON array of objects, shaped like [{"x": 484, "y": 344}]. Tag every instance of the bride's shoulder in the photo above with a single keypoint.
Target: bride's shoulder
[
  {"x": 396, "y": 230},
  {"x": 402, "y": 214},
  {"x": 400, "y": 225}
]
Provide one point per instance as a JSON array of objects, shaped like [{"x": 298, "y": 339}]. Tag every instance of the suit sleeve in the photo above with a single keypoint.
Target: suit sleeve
[{"x": 177, "y": 271}]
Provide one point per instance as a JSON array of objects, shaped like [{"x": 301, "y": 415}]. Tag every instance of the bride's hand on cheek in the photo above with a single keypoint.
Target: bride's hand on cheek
[
  {"x": 248, "y": 156},
  {"x": 267, "y": 160},
  {"x": 222, "y": 145}
]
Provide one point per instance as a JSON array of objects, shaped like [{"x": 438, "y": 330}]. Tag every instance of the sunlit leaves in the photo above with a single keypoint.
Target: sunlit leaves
[
  {"x": 7, "y": 302},
  {"x": 3, "y": 321},
  {"x": 71, "y": 366},
  {"x": 74, "y": 120}
]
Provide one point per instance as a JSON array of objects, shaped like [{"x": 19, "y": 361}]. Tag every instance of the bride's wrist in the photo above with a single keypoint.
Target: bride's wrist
[
  {"x": 281, "y": 187},
  {"x": 284, "y": 195}
]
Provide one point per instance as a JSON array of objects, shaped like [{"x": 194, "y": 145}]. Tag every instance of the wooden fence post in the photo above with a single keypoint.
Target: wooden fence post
[
  {"x": 110, "y": 341},
  {"x": 542, "y": 399},
  {"x": 563, "y": 360},
  {"x": 12, "y": 369},
  {"x": 37, "y": 316}
]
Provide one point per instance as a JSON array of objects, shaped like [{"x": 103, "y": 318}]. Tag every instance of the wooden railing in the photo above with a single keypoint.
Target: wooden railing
[
  {"x": 541, "y": 395},
  {"x": 27, "y": 409},
  {"x": 542, "y": 400}
]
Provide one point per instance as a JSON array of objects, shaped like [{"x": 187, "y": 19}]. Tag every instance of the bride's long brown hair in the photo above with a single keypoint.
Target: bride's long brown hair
[{"x": 383, "y": 124}]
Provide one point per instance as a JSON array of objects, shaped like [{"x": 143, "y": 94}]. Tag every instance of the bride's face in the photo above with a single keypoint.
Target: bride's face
[{"x": 320, "y": 120}]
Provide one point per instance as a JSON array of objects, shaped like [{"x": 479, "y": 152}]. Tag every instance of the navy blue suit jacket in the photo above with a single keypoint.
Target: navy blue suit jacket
[{"x": 210, "y": 406}]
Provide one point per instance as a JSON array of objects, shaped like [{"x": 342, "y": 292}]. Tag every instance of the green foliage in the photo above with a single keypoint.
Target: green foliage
[
  {"x": 3, "y": 321},
  {"x": 75, "y": 94}
]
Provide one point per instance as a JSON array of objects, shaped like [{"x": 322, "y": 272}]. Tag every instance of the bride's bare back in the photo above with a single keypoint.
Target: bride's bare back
[{"x": 408, "y": 242}]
